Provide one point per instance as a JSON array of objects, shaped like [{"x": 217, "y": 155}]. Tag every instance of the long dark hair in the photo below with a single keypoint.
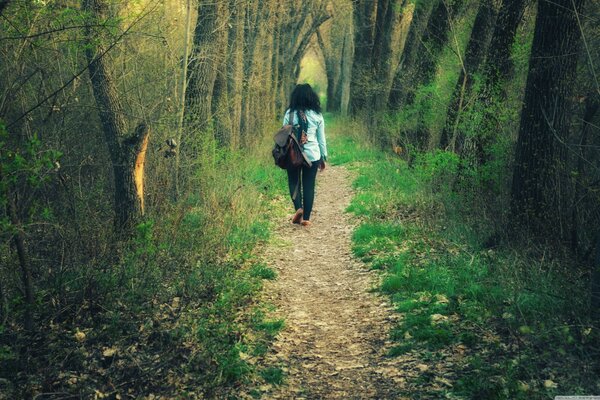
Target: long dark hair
[{"x": 304, "y": 98}]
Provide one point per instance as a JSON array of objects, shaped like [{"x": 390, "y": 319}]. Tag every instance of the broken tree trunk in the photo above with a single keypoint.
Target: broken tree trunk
[{"x": 127, "y": 152}]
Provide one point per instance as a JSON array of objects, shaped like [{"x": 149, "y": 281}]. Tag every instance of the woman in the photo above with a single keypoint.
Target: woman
[{"x": 306, "y": 109}]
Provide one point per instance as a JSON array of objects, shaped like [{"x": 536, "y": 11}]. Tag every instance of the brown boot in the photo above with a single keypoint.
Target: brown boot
[
  {"x": 305, "y": 223},
  {"x": 298, "y": 216}
]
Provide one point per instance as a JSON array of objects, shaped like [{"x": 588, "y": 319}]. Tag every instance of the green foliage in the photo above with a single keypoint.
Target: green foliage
[
  {"x": 263, "y": 272},
  {"x": 273, "y": 375},
  {"x": 183, "y": 285},
  {"x": 454, "y": 293}
]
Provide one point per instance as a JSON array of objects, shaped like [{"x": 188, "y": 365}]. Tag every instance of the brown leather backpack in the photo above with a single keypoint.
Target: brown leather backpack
[{"x": 287, "y": 152}]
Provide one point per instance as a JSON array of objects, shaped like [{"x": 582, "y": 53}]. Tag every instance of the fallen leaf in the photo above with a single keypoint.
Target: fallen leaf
[
  {"x": 549, "y": 384},
  {"x": 109, "y": 352},
  {"x": 437, "y": 318},
  {"x": 79, "y": 336},
  {"x": 422, "y": 367}
]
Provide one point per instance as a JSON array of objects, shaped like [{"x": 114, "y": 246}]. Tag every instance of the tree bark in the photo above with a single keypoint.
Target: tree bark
[
  {"x": 498, "y": 66},
  {"x": 220, "y": 103},
  {"x": 209, "y": 47},
  {"x": 182, "y": 96},
  {"x": 434, "y": 40},
  {"x": 410, "y": 56},
  {"x": 127, "y": 154},
  {"x": 474, "y": 55},
  {"x": 236, "y": 70},
  {"x": 592, "y": 104},
  {"x": 365, "y": 14},
  {"x": 26, "y": 278},
  {"x": 545, "y": 116},
  {"x": 346, "y": 72},
  {"x": 388, "y": 48},
  {"x": 333, "y": 70}
]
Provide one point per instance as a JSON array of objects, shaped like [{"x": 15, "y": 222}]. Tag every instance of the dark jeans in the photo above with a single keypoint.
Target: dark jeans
[{"x": 306, "y": 190}]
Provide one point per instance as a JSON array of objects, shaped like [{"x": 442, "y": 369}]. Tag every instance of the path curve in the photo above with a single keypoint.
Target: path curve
[{"x": 334, "y": 342}]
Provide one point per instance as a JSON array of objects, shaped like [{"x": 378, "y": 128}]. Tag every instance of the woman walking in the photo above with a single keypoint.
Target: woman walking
[{"x": 305, "y": 108}]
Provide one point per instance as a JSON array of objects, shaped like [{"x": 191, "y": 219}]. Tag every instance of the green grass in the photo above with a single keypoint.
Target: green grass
[
  {"x": 263, "y": 272},
  {"x": 272, "y": 375},
  {"x": 178, "y": 298},
  {"x": 505, "y": 310}
]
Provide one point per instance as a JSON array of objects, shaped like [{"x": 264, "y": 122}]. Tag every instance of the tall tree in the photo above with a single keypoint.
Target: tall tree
[
  {"x": 127, "y": 151},
  {"x": 404, "y": 73},
  {"x": 545, "y": 117},
  {"x": 430, "y": 47},
  {"x": 479, "y": 40},
  {"x": 393, "y": 21},
  {"x": 235, "y": 68},
  {"x": 498, "y": 65},
  {"x": 335, "y": 39},
  {"x": 365, "y": 14},
  {"x": 207, "y": 56}
]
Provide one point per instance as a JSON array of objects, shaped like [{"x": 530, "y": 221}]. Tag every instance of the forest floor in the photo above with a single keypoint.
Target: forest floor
[{"x": 335, "y": 339}]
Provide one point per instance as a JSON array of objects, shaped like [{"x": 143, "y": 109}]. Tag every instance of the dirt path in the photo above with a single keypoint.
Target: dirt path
[{"x": 334, "y": 342}]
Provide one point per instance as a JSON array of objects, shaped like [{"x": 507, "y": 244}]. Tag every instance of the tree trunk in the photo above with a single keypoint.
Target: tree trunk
[
  {"x": 388, "y": 48},
  {"x": 592, "y": 104},
  {"x": 410, "y": 56},
  {"x": 252, "y": 36},
  {"x": 545, "y": 116},
  {"x": 26, "y": 279},
  {"x": 236, "y": 70},
  {"x": 474, "y": 55},
  {"x": 127, "y": 154},
  {"x": 434, "y": 40},
  {"x": 383, "y": 22},
  {"x": 498, "y": 65},
  {"x": 209, "y": 48},
  {"x": 346, "y": 72},
  {"x": 182, "y": 97},
  {"x": 365, "y": 14},
  {"x": 333, "y": 70},
  {"x": 220, "y": 102},
  {"x": 497, "y": 70}
]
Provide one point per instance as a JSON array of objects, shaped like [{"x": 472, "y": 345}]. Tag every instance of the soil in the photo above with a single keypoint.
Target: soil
[{"x": 335, "y": 339}]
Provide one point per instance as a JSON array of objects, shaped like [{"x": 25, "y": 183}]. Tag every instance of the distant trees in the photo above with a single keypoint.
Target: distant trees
[{"x": 336, "y": 41}]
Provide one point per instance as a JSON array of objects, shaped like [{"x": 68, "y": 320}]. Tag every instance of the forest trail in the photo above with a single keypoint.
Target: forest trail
[{"x": 334, "y": 342}]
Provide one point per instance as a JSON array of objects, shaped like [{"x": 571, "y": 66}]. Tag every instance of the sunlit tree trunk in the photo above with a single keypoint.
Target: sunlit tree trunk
[{"x": 220, "y": 103}]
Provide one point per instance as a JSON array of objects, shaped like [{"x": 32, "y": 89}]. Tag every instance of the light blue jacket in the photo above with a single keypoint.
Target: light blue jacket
[{"x": 316, "y": 147}]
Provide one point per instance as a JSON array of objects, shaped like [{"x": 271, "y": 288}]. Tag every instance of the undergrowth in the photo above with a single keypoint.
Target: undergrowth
[
  {"x": 175, "y": 315},
  {"x": 496, "y": 321}
]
